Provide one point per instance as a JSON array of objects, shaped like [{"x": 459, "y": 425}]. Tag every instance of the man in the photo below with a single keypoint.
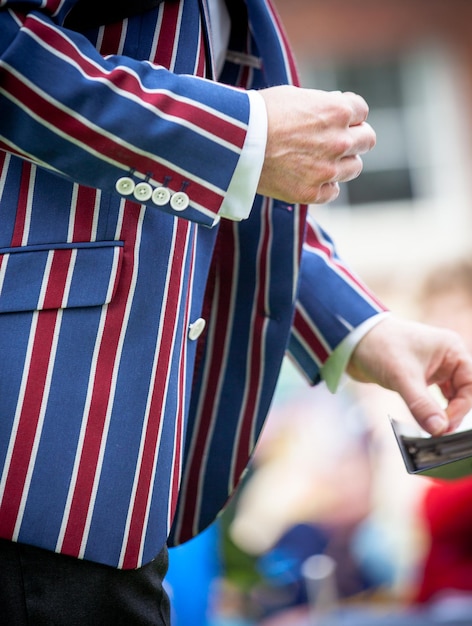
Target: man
[{"x": 149, "y": 295}]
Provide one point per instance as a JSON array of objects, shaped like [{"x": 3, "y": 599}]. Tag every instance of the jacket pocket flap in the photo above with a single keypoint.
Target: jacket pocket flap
[{"x": 59, "y": 276}]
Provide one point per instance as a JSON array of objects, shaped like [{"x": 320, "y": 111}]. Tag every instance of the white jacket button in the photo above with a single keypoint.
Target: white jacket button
[
  {"x": 161, "y": 196},
  {"x": 179, "y": 201},
  {"x": 196, "y": 328},
  {"x": 142, "y": 192},
  {"x": 125, "y": 186}
]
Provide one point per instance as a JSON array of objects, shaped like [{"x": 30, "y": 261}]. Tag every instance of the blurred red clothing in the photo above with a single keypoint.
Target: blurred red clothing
[{"x": 447, "y": 513}]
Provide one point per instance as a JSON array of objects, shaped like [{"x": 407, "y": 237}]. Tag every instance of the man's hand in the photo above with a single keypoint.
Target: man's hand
[
  {"x": 314, "y": 140},
  {"x": 407, "y": 357}
]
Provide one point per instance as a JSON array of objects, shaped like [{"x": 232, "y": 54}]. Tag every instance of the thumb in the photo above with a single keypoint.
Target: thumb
[{"x": 425, "y": 409}]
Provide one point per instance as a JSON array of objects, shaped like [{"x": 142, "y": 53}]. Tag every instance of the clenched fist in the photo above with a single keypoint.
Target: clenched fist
[{"x": 315, "y": 139}]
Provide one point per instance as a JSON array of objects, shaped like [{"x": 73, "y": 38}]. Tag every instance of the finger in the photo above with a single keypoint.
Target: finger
[
  {"x": 424, "y": 408},
  {"x": 458, "y": 392},
  {"x": 363, "y": 139},
  {"x": 456, "y": 410},
  {"x": 349, "y": 168},
  {"x": 360, "y": 108},
  {"x": 327, "y": 193}
]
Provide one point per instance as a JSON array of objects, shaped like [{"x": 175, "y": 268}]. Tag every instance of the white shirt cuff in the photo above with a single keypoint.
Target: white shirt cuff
[
  {"x": 335, "y": 366},
  {"x": 243, "y": 186}
]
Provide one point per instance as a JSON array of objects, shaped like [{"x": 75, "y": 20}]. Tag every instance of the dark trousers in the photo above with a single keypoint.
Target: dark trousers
[{"x": 41, "y": 588}]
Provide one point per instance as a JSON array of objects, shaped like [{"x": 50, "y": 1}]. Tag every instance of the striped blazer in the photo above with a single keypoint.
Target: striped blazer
[{"x": 125, "y": 421}]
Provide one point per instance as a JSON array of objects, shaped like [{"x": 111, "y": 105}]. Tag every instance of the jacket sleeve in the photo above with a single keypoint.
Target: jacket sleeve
[
  {"x": 96, "y": 119},
  {"x": 332, "y": 301}
]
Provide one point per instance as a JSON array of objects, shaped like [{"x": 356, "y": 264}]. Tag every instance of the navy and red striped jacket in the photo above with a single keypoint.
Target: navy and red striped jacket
[{"x": 117, "y": 427}]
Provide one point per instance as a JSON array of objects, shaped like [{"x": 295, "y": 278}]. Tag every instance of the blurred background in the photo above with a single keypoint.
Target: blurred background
[{"x": 328, "y": 478}]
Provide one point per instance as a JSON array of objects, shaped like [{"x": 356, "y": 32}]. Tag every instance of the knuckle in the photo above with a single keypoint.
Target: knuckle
[
  {"x": 337, "y": 113},
  {"x": 343, "y": 144},
  {"x": 325, "y": 193},
  {"x": 334, "y": 191},
  {"x": 345, "y": 112},
  {"x": 328, "y": 172}
]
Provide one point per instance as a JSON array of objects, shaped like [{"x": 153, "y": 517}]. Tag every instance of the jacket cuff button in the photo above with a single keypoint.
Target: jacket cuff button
[
  {"x": 179, "y": 201},
  {"x": 125, "y": 186},
  {"x": 161, "y": 196},
  {"x": 142, "y": 192}
]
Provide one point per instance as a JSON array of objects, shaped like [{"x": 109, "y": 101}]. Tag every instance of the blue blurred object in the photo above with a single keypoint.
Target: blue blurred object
[
  {"x": 193, "y": 567},
  {"x": 281, "y": 566},
  {"x": 374, "y": 553}
]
